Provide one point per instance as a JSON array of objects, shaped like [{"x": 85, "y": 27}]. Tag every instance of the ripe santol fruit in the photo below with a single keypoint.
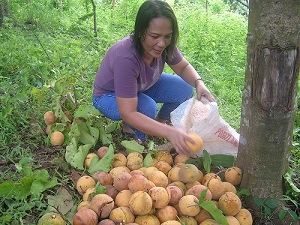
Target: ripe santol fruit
[
  {"x": 49, "y": 118},
  {"x": 85, "y": 216},
  {"x": 84, "y": 183},
  {"x": 51, "y": 218},
  {"x": 230, "y": 204},
  {"x": 57, "y": 138},
  {"x": 188, "y": 173},
  {"x": 233, "y": 175},
  {"x": 198, "y": 145}
]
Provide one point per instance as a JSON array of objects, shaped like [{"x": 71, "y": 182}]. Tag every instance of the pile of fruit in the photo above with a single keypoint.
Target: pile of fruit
[{"x": 167, "y": 192}]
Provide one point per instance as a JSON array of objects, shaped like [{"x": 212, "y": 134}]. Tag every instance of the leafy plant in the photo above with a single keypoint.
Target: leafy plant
[
  {"x": 271, "y": 206},
  {"x": 19, "y": 197}
]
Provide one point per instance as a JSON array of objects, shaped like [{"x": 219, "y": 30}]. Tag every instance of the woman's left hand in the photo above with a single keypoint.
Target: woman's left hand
[{"x": 202, "y": 90}]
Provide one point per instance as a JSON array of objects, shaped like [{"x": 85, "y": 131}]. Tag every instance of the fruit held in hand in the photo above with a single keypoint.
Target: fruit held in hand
[{"x": 198, "y": 145}]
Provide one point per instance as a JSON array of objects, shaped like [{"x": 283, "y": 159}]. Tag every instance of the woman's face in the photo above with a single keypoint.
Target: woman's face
[{"x": 156, "y": 38}]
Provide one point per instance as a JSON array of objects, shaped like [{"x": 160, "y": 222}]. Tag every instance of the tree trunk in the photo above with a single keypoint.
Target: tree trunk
[
  {"x": 5, "y": 8},
  {"x": 269, "y": 98},
  {"x": 4, "y": 11},
  {"x": 95, "y": 17},
  {"x": 113, "y": 2},
  {"x": 1, "y": 14}
]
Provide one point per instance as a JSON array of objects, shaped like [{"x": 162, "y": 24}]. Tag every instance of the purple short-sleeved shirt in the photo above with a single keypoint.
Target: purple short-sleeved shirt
[{"x": 125, "y": 72}]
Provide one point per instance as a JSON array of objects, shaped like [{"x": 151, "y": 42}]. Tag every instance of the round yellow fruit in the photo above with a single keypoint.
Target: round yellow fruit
[
  {"x": 57, "y": 138},
  {"x": 84, "y": 183},
  {"x": 197, "y": 147},
  {"x": 51, "y": 218},
  {"x": 49, "y": 118},
  {"x": 89, "y": 158}
]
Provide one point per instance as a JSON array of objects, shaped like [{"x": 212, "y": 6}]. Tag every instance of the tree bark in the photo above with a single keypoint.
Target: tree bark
[
  {"x": 269, "y": 98},
  {"x": 1, "y": 14},
  {"x": 4, "y": 11},
  {"x": 95, "y": 18},
  {"x": 5, "y": 8}
]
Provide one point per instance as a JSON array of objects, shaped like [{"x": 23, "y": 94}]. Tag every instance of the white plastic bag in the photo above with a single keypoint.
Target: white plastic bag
[{"x": 203, "y": 118}]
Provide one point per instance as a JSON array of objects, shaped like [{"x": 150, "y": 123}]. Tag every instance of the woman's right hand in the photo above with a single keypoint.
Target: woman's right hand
[{"x": 178, "y": 138}]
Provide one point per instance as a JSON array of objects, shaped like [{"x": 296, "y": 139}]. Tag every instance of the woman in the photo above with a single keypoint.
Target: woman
[{"x": 130, "y": 81}]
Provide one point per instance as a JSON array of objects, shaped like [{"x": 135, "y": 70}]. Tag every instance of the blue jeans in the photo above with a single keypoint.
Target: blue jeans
[{"x": 171, "y": 90}]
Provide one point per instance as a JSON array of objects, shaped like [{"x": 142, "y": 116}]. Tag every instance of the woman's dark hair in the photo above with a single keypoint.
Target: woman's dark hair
[{"x": 149, "y": 10}]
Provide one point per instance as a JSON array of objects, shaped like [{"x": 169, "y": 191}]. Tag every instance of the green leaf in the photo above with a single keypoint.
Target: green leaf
[
  {"x": 132, "y": 146},
  {"x": 202, "y": 196},
  {"x": 105, "y": 138},
  {"x": 216, "y": 213},
  {"x": 271, "y": 203},
  {"x": 62, "y": 85},
  {"x": 288, "y": 177},
  {"x": 243, "y": 192},
  {"x": 76, "y": 156},
  {"x": 56, "y": 106},
  {"x": 59, "y": 126},
  {"x": 34, "y": 184},
  {"x": 42, "y": 183},
  {"x": 78, "y": 159},
  {"x": 282, "y": 214},
  {"x": 194, "y": 161},
  {"x": 103, "y": 164},
  {"x": 206, "y": 161},
  {"x": 86, "y": 110},
  {"x": 222, "y": 160},
  {"x": 288, "y": 198},
  {"x": 111, "y": 127},
  {"x": 100, "y": 189},
  {"x": 258, "y": 201},
  {"x": 95, "y": 133},
  {"x": 150, "y": 145},
  {"x": 148, "y": 160},
  {"x": 58, "y": 111},
  {"x": 25, "y": 160},
  {"x": 39, "y": 186},
  {"x": 293, "y": 215},
  {"x": 10, "y": 190},
  {"x": 84, "y": 133},
  {"x": 6, "y": 218},
  {"x": 267, "y": 211}
]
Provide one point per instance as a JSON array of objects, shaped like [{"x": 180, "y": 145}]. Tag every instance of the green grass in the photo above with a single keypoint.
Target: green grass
[{"x": 40, "y": 44}]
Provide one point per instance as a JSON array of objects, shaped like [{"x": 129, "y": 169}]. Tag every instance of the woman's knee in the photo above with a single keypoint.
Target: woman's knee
[
  {"x": 107, "y": 106},
  {"x": 147, "y": 106},
  {"x": 184, "y": 91}
]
